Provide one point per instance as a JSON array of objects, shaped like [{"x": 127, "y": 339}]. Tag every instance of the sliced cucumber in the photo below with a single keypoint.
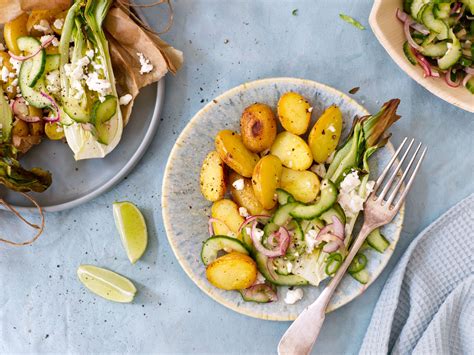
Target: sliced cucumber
[
  {"x": 297, "y": 246},
  {"x": 6, "y": 119},
  {"x": 432, "y": 23},
  {"x": 284, "y": 197},
  {"x": 78, "y": 110},
  {"x": 31, "y": 45},
  {"x": 335, "y": 210},
  {"x": 416, "y": 6},
  {"x": 407, "y": 6},
  {"x": 282, "y": 215},
  {"x": 217, "y": 243},
  {"x": 246, "y": 239},
  {"x": 442, "y": 10},
  {"x": 362, "y": 276},
  {"x": 32, "y": 95},
  {"x": 281, "y": 266},
  {"x": 377, "y": 241},
  {"x": 327, "y": 199},
  {"x": 409, "y": 53},
  {"x": 429, "y": 39},
  {"x": 453, "y": 53},
  {"x": 273, "y": 277},
  {"x": 435, "y": 49},
  {"x": 358, "y": 263},
  {"x": 52, "y": 62},
  {"x": 470, "y": 85},
  {"x": 101, "y": 113},
  {"x": 465, "y": 62}
]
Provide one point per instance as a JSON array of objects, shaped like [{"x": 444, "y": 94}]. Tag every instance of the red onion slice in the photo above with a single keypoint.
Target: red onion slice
[
  {"x": 271, "y": 268},
  {"x": 330, "y": 247},
  {"x": 23, "y": 58},
  {"x": 338, "y": 227},
  {"x": 424, "y": 64},
  {"x": 261, "y": 293},
  {"x": 211, "y": 227},
  {"x": 403, "y": 17},
  {"x": 469, "y": 70},
  {"x": 20, "y": 109},
  {"x": 450, "y": 82},
  {"x": 281, "y": 235},
  {"x": 55, "y": 106},
  {"x": 466, "y": 79},
  {"x": 409, "y": 38},
  {"x": 251, "y": 219},
  {"x": 328, "y": 238}
]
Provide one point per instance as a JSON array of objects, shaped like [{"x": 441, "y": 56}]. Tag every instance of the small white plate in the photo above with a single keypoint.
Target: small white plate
[
  {"x": 185, "y": 211},
  {"x": 389, "y": 31}
]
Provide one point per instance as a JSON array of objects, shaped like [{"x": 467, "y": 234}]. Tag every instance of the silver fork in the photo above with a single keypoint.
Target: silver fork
[{"x": 378, "y": 211}]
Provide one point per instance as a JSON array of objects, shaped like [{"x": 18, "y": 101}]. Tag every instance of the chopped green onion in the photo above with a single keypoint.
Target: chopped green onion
[
  {"x": 351, "y": 21},
  {"x": 294, "y": 12},
  {"x": 333, "y": 262},
  {"x": 358, "y": 263}
]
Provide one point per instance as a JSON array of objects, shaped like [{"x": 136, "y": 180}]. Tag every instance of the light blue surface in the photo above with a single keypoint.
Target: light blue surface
[{"x": 44, "y": 308}]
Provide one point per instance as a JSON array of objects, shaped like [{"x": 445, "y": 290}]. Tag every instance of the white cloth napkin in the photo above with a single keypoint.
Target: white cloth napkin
[{"x": 427, "y": 304}]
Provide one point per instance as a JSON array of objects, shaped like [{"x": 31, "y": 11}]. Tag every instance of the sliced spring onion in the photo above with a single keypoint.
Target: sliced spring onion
[
  {"x": 358, "y": 263},
  {"x": 333, "y": 263},
  {"x": 352, "y": 21}
]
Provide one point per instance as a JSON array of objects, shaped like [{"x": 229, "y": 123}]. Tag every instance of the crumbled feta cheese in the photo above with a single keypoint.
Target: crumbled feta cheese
[
  {"x": 145, "y": 63},
  {"x": 310, "y": 110},
  {"x": 332, "y": 129},
  {"x": 52, "y": 82},
  {"x": 259, "y": 233},
  {"x": 350, "y": 182},
  {"x": 310, "y": 240},
  {"x": 9, "y": 89},
  {"x": 243, "y": 212},
  {"x": 15, "y": 82},
  {"x": 369, "y": 187},
  {"x": 42, "y": 26},
  {"x": 293, "y": 296},
  {"x": 248, "y": 230},
  {"x": 238, "y": 184},
  {"x": 125, "y": 99},
  {"x": 58, "y": 23},
  {"x": 2, "y": 47},
  {"x": 11, "y": 75},
  {"x": 1, "y": 60},
  {"x": 5, "y": 74},
  {"x": 260, "y": 279},
  {"x": 102, "y": 86},
  {"x": 55, "y": 42},
  {"x": 330, "y": 158},
  {"x": 319, "y": 169},
  {"x": 59, "y": 128},
  {"x": 289, "y": 266},
  {"x": 90, "y": 53}
]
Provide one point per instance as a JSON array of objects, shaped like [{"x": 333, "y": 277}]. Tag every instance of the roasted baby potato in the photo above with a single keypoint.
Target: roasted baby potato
[
  {"x": 59, "y": 20},
  {"x": 233, "y": 271},
  {"x": 234, "y": 153},
  {"x": 294, "y": 112},
  {"x": 292, "y": 150},
  {"x": 14, "y": 29},
  {"x": 54, "y": 131},
  {"x": 220, "y": 228},
  {"x": 8, "y": 88},
  {"x": 227, "y": 212},
  {"x": 245, "y": 197},
  {"x": 20, "y": 128},
  {"x": 325, "y": 134},
  {"x": 45, "y": 18},
  {"x": 212, "y": 178},
  {"x": 258, "y": 127},
  {"x": 266, "y": 179},
  {"x": 303, "y": 185},
  {"x": 36, "y": 128}
]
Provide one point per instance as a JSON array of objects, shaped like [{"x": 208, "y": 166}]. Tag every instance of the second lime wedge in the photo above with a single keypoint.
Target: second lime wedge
[
  {"x": 106, "y": 283},
  {"x": 132, "y": 228}
]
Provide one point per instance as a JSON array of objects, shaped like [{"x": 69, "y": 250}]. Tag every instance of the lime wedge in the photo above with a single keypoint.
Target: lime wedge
[
  {"x": 132, "y": 228},
  {"x": 106, "y": 283}
]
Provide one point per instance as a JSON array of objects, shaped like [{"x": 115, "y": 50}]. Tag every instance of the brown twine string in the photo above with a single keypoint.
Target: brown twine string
[
  {"x": 125, "y": 6},
  {"x": 39, "y": 228}
]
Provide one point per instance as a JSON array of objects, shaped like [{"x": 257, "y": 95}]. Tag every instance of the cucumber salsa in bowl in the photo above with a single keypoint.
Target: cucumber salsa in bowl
[
  {"x": 294, "y": 198},
  {"x": 439, "y": 37}
]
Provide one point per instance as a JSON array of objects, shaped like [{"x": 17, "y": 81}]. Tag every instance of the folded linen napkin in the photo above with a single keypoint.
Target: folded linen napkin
[{"x": 427, "y": 304}]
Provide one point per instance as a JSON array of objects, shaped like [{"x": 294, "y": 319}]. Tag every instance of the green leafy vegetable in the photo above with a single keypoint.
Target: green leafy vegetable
[
  {"x": 294, "y": 12},
  {"x": 351, "y": 21},
  {"x": 6, "y": 119}
]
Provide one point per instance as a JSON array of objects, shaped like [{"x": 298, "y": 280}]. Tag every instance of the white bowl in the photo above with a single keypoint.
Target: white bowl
[{"x": 389, "y": 31}]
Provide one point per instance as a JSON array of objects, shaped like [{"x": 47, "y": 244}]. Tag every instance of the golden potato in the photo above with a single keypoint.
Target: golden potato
[
  {"x": 35, "y": 18},
  {"x": 245, "y": 197},
  {"x": 292, "y": 150},
  {"x": 294, "y": 112},
  {"x": 52, "y": 50},
  {"x": 54, "y": 131},
  {"x": 303, "y": 185},
  {"x": 36, "y": 128},
  {"x": 212, "y": 178},
  {"x": 266, "y": 179},
  {"x": 61, "y": 17},
  {"x": 233, "y": 152},
  {"x": 220, "y": 228},
  {"x": 258, "y": 127},
  {"x": 233, "y": 271},
  {"x": 228, "y": 212},
  {"x": 14, "y": 29},
  {"x": 20, "y": 128},
  {"x": 325, "y": 134}
]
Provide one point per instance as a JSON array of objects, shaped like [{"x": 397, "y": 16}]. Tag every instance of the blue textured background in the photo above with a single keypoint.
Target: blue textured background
[{"x": 44, "y": 308}]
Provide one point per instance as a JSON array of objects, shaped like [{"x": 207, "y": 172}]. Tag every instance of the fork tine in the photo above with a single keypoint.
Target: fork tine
[
  {"x": 389, "y": 165},
  {"x": 400, "y": 182},
  {"x": 395, "y": 172},
  {"x": 410, "y": 182}
]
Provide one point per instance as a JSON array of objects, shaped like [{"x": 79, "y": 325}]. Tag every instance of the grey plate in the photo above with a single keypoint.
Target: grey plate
[
  {"x": 76, "y": 182},
  {"x": 185, "y": 211}
]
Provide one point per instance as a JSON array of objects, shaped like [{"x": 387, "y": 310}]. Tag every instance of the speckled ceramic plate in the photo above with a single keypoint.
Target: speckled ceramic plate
[{"x": 185, "y": 211}]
